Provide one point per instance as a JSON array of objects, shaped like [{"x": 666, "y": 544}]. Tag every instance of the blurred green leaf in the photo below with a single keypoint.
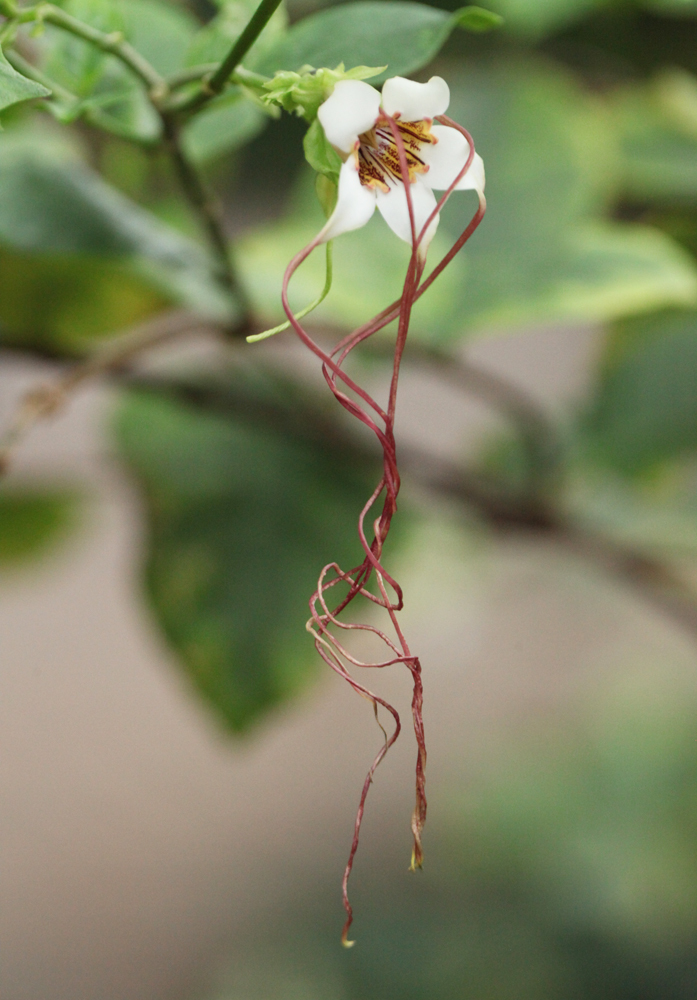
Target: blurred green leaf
[
  {"x": 30, "y": 522},
  {"x": 645, "y": 407},
  {"x": 543, "y": 251},
  {"x": 228, "y": 122},
  {"x": 595, "y": 820},
  {"x": 161, "y": 32},
  {"x": 15, "y": 88},
  {"x": 657, "y": 126},
  {"x": 242, "y": 516},
  {"x": 402, "y": 36},
  {"x": 116, "y": 100},
  {"x": 686, "y": 7},
  {"x": 537, "y": 18},
  {"x": 214, "y": 41},
  {"x": 477, "y": 19},
  {"x": 61, "y": 303},
  {"x": 53, "y": 206}
]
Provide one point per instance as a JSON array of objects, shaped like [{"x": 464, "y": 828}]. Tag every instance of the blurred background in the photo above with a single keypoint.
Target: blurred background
[{"x": 179, "y": 774}]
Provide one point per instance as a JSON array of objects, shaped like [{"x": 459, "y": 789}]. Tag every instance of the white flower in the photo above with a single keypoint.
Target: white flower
[{"x": 354, "y": 122}]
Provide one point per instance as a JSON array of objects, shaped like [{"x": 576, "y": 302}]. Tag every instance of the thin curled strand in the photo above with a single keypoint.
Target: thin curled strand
[{"x": 324, "y": 620}]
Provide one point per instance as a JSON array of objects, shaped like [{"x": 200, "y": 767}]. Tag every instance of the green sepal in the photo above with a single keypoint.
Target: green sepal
[
  {"x": 321, "y": 156},
  {"x": 327, "y": 193},
  {"x": 302, "y": 93}
]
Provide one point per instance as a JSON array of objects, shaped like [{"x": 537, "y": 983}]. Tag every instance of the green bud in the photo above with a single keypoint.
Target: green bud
[{"x": 302, "y": 93}]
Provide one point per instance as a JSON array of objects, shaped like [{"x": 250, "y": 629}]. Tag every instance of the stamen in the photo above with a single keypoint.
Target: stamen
[{"x": 378, "y": 156}]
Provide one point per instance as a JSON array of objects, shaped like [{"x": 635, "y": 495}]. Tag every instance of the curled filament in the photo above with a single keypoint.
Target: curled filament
[{"x": 325, "y": 623}]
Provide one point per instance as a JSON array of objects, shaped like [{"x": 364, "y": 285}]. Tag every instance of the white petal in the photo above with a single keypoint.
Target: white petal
[
  {"x": 352, "y": 109},
  {"x": 414, "y": 101},
  {"x": 395, "y": 211},
  {"x": 447, "y": 158},
  {"x": 355, "y": 204}
]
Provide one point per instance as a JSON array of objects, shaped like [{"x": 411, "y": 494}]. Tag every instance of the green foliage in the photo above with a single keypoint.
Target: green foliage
[
  {"x": 544, "y": 252},
  {"x": 61, "y": 303},
  {"x": 213, "y": 42},
  {"x": 30, "y": 522},
  {"x": 242, "y": 515},
  {"x": 477, "y": 19},
  {"x": 402, "y": 36},
  {"x": 53, "y": 206},
  {"x": 534, "y": 19},
  {"x": 645, "y": 407},
  {"x": 113, "y": 96},
  {"x": 15, "y": 88},
  {"x": 227, "y": 123},
  {"x": 657, "y": 126}
]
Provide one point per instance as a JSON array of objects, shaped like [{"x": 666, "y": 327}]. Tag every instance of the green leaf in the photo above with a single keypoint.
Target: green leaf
[
  {"x": 115, "y": 97},
  {"x": 226, "y": 124},
  {"x": 536, "y": 18},
  {"x": 402, "y": 36},
  {"x": 477, "y": 19},
  {"x": 657, "y": 125},
  {"x": 52, "y": 205},
  {"x": 686, "y": 8},
  {"x": 61, "y": 303},
  {"x": 242, "y": 516},
  {"x": 161, "y": 32},
  {"x": 30, "y": 522},
  {"x": 15, "y": 88},
  {"x": 214, "y": 41},
  {"x": 544, "y": 252},
  {"x": 645, "y": 408}
]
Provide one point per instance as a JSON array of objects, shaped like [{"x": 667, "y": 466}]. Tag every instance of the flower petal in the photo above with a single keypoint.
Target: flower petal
[
  {"x": 415, "y": 101},
  {"x": 446, "y": 159},
  {"x": 395, "y": 211},
  {"x": 352, "y": 109},
  {"x": 354, "y": 207}
]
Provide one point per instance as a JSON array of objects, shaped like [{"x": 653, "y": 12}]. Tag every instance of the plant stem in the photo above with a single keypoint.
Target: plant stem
[
  {"x": 536, "y": 432},
  {"x": 113, "y": 43},
  {"x": 46, "y": 400},
  {"x": 243, "y": 77},
  {"x": 201, "y": 201},
  {"x": 207, "y": 210},
  {"x": 213, "y": 84}
]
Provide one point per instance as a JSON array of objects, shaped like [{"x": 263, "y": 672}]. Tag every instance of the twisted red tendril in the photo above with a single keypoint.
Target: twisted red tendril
[{"x": 381, "y": 422}]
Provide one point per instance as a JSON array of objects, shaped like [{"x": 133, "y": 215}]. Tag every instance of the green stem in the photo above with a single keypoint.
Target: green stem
[
  {"x": 200, "y": 200},
  {"x": 254, "y": 337},
  {"x": 214, "y": 84},
  {"x": 191, "y": 74},
  {"x": 113, "y": 43},
  {"x": 208, "y": 212}
]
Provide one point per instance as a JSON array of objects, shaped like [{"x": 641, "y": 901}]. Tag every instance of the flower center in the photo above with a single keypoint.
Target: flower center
[{"x": 378, "y": 156}]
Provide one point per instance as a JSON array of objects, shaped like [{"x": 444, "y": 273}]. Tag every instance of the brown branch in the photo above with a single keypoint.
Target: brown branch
[{"x": 45, "y": 400}]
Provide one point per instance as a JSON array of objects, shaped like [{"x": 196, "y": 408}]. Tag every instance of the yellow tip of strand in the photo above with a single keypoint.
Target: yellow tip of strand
[
  {"x": 415, "y": 865},
  {"x": 347, "y": 944},
  {"x": 254, "y": 338}
]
